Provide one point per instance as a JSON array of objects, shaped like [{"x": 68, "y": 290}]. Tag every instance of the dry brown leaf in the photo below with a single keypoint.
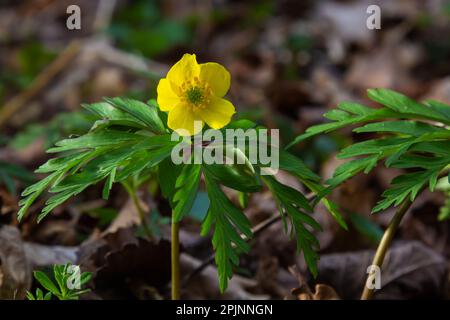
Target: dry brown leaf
[
  {"x": 206, "y": 285},
  {"x": 14, "y": 269},
  {"x": 411, "y": 271},
  {"x": 322, "y": 292}
]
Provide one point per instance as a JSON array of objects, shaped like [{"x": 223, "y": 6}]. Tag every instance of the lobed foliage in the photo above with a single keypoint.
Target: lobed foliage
[
  {"x": 131, "y": 138},
  {"x": 410, "y": 135},
  {"x": 62, "y": 276}
]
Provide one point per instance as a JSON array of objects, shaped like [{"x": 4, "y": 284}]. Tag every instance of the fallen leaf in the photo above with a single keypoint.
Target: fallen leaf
[
  {"x": 15, "y": 273},
  {"x": 410, "y": 271}
]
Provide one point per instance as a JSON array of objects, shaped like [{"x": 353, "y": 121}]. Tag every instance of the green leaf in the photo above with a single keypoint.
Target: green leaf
[
  {"x": 168, "y": 173},
  {"x": 377, "y": 146},
  {"x": 30, "y": 296},
  {"x": 46, "y": 282},
  {"x": 406, "y": 186},
  {"x": 108, "y": 184},
  {"x": 404, "y": 105},
  {"x": 72, "y": 174},
  {"x": 229, "y": 222},
  {"x": 412, "y": 128},
  {"x": 142, "y": 160},
  {"x": 349, "y": 169},
  {"x": 329, "y": 205},
  {"x": 241, "y": 124},
  {"x": 287, "y": 194},
  {"x": 85, "y": 278},
  {"x": 186, "y": 189},
  {"x": 113, "y": 116},
  {"x": 333, "y": 209},
  {"x": 290, "y": 203},
  {"x": 98, "y": 139},
  {"x": 243, "y": 199},
  {"x": 141, "y": 112},
  {"x": 33, "y": 191},
  {"x": 296, "y": 166},
  {"x": 356, "y": 114},
  {"x": 439, "y": 107},
  {"x": 61, "y": 276},
  {"x": 235, "y": 176},
  {"x": 398, "y": 106},
  {"x": 39, "y": 294}
]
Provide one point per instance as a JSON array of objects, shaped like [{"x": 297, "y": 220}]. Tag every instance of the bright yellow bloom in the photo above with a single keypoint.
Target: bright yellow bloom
[{"x": 193, "y": 92}]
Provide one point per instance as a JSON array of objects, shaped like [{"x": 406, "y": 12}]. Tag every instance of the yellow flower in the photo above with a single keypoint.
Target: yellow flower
[{"x": 193, "y": 92}]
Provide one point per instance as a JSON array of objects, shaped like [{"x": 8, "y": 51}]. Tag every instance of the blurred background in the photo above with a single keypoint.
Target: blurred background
[{"x": 290, "y": 61}]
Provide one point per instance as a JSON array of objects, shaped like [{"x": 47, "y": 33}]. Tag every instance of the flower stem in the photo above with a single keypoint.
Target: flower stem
[
  {"x": 385, "y": 243},
  {"x": 175, "y": 260}
]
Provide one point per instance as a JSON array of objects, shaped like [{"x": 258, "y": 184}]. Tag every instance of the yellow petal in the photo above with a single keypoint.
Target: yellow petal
[
  {"x": 218, "y": 114},
  {"x": 167, "y": 98},
  {"x": 216, "y": 76},
  {"x": 184, "y": 121},
  {"x": 185, "y": 69}
]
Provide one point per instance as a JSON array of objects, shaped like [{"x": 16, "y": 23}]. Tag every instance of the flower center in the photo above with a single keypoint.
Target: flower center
[{"x": 194, "y": 95}]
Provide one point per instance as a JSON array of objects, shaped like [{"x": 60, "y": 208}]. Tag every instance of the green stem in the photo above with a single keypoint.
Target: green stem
[
  {"x": 385, "y": 243},
  {"x": 175, "y": 260},
  {"x": 388, "y": 235}
]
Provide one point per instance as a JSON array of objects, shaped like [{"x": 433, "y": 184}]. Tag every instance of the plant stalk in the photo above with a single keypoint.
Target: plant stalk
[
  {"x": 175, "y": 260},
  {"x": 388, "y": 235},
  {"x": 385, "y": 243}
]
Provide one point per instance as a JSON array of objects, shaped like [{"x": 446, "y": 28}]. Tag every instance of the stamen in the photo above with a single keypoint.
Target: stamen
[{"x": 195, "y": 95}]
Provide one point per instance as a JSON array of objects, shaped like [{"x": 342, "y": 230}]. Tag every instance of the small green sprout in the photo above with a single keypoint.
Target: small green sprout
[{"x": 68, "y": 286}]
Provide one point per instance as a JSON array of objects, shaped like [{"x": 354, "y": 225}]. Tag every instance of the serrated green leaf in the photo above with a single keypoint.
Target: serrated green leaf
[
  {"x": 412, "y": 128},
  {"x": 306, "y": 241},
  {"x": 296, "y": 166},
  {"x": 112, "y": 116},
  {"x": 349, "y": 169},
  {"x": 361, "y": 114},
  {"x": 288, "y": 195},
  {"x": 142, "y": 112},
  {"x": 228, "y": 223},
  {"x": 376, "y": 146},
  {"x": 168, "y": 173},
  {"x": 186, "y": 188},
  {"x": 97, "y": 139},
  {"x": 333, "y": 209},
  {"x": 34, "y": 191},
  {"x": 405, "y": 105},
  {"x": 406, "y": 186}
]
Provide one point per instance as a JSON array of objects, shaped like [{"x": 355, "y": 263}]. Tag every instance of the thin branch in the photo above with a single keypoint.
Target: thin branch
[{"x": 41, "y": 81}]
